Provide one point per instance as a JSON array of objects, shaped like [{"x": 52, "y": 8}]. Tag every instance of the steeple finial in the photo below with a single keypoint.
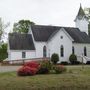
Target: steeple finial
[{"x": 80, "y": 5}]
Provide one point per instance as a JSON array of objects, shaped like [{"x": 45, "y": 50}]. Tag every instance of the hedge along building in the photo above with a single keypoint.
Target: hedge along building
[{"x": 43, "y": 41}]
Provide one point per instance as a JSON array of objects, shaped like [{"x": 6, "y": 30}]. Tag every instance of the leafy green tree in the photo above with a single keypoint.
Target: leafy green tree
[
  {"x": 89, "y": 29},
  {"x": 22, "y": 26},
  {"x": 87, "y": 12},
  {"x": 3, "y": 52}
]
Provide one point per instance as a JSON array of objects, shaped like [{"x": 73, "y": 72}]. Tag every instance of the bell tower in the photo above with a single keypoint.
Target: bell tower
[{"x": 81, "y": 20}]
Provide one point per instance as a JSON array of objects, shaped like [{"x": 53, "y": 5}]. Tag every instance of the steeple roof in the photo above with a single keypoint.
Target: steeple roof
[
  {"x": 81, "y": 14},
  {"x": 81, "y": 11}
]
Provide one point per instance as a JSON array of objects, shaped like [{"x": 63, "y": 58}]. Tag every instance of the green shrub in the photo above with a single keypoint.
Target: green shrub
[
  {"x": 59, "y": 69},
  {"x": 45, "y": 67},
  {"x": 77, "y": 62},
  {"x": 43, "y": 70},
  {"x": 46, "y": 64},
  {"x": 54, "y": 58},
  {"x": 73, "y": 58},
  {"x": 64, "y": 63},
  {"x": 88, "y": 62}
]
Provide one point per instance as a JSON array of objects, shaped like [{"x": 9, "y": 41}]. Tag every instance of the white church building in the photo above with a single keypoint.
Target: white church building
[{"x": 42, "y": 41}]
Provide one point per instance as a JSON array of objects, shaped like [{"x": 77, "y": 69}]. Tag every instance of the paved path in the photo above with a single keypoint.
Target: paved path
[
  {"x": 15, "y": 68},
  {"x": 9, "y": 68}
]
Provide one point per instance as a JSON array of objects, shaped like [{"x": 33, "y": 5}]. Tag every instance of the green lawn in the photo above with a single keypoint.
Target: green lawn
[{"x": 74, "y": 79}]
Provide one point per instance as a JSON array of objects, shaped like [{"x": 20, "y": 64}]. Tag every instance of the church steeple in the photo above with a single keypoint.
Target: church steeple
[
  {"x": 81, "y": 20},
  {"x": 81, "y": 13}
]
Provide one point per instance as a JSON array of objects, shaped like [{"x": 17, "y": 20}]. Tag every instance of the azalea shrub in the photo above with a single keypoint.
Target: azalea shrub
[
  {"x": 32, "y": 64},
  {"x": 46, "y": 64},
  {"x": 45, "y": 67},
  {"x": 59, "y": 69},
  {"x": 25, "y": 71},
  {"x": 29, "y": 68}
]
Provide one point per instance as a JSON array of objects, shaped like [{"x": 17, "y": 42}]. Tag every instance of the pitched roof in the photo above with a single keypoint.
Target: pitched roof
[
  {"x": 21, "y": 42},
  {"x": 77, "y": 35},
  {"x": 43, "y": 33}
]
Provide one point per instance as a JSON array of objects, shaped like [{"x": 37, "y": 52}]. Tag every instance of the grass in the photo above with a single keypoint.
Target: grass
[{"x": 75, "y": 78}]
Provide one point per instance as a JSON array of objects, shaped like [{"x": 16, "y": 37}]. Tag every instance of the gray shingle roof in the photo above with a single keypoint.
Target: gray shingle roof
[
  {"x": 77, "y": 35},
  {"x": 43, "y": 33},
  {"x": 21, "y": 41}
]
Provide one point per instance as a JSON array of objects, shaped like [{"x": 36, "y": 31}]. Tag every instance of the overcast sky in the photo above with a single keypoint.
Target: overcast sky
[{"x": 47, "y": 12}]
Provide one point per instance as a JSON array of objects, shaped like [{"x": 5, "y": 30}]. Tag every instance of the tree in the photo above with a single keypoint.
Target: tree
[
  {"x": 54, "y": 58},
  {"x": 3, "y": 52},
  {"x": 2, "y": 29},
  {"x": 22, "y": 26},
  {"x": 87, "y": 12},
  {"x": 89, "y": 29}
]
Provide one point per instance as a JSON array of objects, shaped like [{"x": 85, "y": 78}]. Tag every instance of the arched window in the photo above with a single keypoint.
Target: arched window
[
  {"x": 44, "y": 51},
  {"x": 85, "y": 51},
  {"x": 73, "y": 51},
  {"x": 62, "y": 51}
]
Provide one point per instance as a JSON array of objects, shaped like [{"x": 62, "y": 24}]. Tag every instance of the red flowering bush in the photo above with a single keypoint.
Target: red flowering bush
[
  {"x": 59, "y": 69},
  {"x": 32, "y": 64},
  {"x": 44, "y": 67},
  {"x": 25, "y": 70},
  {"x": 29, "y": 68},
  {"x": 33, "y": 71}
]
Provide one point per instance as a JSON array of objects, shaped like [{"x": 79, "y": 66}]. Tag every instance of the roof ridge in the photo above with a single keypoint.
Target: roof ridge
[{"x": 54, "y": 26}]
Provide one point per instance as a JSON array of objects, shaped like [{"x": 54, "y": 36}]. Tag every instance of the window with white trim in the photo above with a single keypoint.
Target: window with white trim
[
  {"x": 85, "y": 51},
  {"x": 23, "y": 54},
  {"x": 44, "y": 51},
  {"x": 62, "y": 51},
  {"x": 73, "y": 50}
]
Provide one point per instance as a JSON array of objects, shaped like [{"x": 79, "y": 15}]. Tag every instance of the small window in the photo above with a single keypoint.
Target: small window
[
  {"x": 23, "y": 54},
  {"x": 73, "y": 51},
  {"x": 44, "y": 51},
  {"x": 62, "y": 51},
  {"x": 85, "y": 51},
  {"x": 61, "y": 37}
]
